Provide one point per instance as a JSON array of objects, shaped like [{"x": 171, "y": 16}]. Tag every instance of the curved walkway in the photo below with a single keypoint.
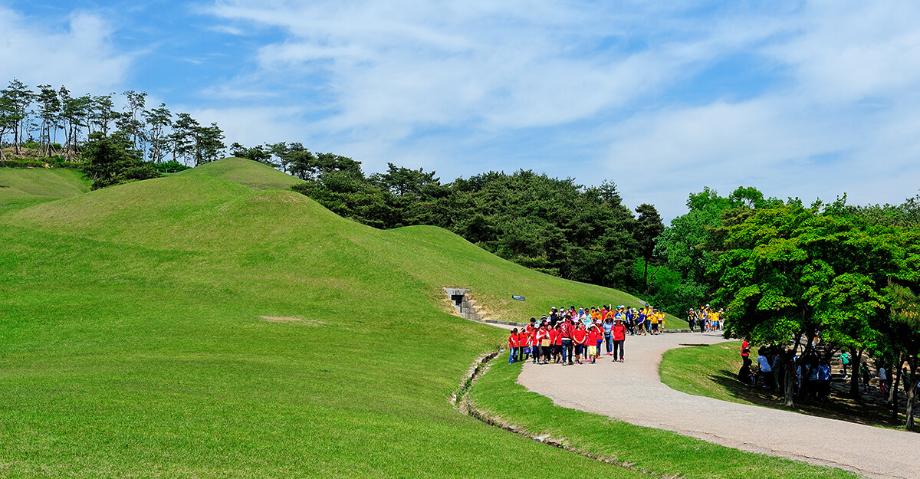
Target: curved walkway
[{"x": 633, "y": 392}]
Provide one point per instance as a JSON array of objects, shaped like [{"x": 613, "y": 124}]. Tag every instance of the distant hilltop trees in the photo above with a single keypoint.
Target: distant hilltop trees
[
  {"x": 549, "y": 224},
  {"x": 48, "y": 124}
]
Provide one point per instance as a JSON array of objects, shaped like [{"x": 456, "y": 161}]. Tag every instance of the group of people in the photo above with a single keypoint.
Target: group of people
[
  {"x": 578, "y": 335},
  {"x": 812, "y": 374},
  {"x": 705, "y": 318}
]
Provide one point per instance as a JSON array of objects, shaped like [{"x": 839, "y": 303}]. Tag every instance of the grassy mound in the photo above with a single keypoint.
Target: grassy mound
[
  {"x": 20, "y": 187},
  {"x": 211, "y": 323}
]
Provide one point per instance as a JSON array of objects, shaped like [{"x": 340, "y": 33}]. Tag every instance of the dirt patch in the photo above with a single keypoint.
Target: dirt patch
[{"x": 291, "y": 319}]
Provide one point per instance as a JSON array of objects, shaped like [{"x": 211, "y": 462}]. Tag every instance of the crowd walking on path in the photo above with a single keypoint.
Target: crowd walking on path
[
  {"x": 705, "y": 318},
  {"x": 579, "y": 335}
]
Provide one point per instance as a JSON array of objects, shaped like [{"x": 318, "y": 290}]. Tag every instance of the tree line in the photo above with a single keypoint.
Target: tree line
[
  {"x": 52, "y": 124},
  {"x": 842, "y": 276},
  {"x": 552, "y": 225}
]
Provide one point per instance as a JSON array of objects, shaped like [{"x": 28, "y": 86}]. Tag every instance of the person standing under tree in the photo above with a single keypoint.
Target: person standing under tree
[{"x": 845, "y": 361}]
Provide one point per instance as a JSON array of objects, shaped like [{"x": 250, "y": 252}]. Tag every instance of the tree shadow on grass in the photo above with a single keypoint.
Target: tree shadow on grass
[{"x": 836, "y": 406}]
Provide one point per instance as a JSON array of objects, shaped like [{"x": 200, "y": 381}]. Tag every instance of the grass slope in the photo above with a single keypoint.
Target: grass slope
[
  {"x": 134, "y": 344},
  {"x": 21, "y": 187},
  {"x": 658, "y": 453}
]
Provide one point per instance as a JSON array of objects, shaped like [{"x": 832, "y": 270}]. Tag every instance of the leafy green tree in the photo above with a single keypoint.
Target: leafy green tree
[
  {"x": 7, "y": 120},
  {"x": 416, "y": 194},
  {"x": 110, "y": 160},
  {"x": 102, "y": 113},
  {"x": 18, "y": 98},
  {"x": 762, "y": 271},
  {"x": 350, "y": 196},
  {"x": 131, "y": 120},
  {"x": 209, "y": 144},
  {"x": 158, "y": 121},
  {"x": 183, "y": 137},
  {"x": 49, "y": 112},
  {"x": 648, "y": 227},
  {"x": 260, "y": 153},
  {"x": 300, "y": 161},
  {"x": 905, "y": 333}
]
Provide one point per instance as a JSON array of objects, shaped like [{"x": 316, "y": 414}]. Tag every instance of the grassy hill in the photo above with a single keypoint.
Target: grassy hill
[
  {"x": 20, "y": 187},
  {"x": 215, "y": 324},
  {"x": 212, "y": 323}
]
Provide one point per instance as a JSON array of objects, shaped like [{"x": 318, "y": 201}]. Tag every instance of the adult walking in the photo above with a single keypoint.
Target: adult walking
[
  {"x": 619, "y": 338},
  {"x": 608, "y": 338},
  {"x": 567, "y": 346}
]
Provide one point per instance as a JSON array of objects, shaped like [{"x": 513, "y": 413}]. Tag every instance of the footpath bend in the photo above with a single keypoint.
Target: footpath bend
[{"x": 633, "y": 392}]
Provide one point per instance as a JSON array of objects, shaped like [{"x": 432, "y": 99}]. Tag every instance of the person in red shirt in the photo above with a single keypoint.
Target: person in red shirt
[
  {"x": 513, "y": 346},
  {"x": 567, "y": 347},
  {"x": 535, "y": 345},
  {"x": 580, "y": 337},
  {"x": 523, "y": 345},
  {"x": 592, "y": 344},
  {"x": 619, "y": 338},
  {"x": 745, "y": 354}
]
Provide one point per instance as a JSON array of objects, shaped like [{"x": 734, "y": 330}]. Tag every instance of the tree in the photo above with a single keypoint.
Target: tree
[
  {"x": 49, "y": 111},
  {"x": 7, "y": 120},
  {"x": 158, "y": 121},
  {"x": 648, "y": 227},
  {"x": 184, "y": 137},
  {"x": 905, "y": 317},
  {"x": 19, "y": 97},
  {"x": 102, "y": 113},
  {"x": 209, "y": 144},
  {"x": 111, "y": 160},
  {"x": 762, "y": 270},
  {"x": 131, "y": 119},
  {"x": 301, "y": 162},
  {"x": 74, "y": 115},
  {"x": 414, "y": 193},
  {"x": 350, "y": 196}
]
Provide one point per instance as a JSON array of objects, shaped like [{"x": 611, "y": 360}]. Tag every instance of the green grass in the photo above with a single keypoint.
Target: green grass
[
  {"x": 711, "y": 371},
  {"x": 659, "y": 453},
  {"x": 21, "y": 187},
  {"x": 133, "y": 344}
]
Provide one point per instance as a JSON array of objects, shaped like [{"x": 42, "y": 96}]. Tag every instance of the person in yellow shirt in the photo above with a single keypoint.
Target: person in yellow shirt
[{"x": 655, "y": 320}]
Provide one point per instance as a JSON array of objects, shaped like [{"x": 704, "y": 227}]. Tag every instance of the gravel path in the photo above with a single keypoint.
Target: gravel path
[{"x": 632, "y": 392}]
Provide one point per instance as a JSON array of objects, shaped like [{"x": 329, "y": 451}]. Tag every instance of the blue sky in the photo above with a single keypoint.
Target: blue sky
[{"x": 807, "y": 99}]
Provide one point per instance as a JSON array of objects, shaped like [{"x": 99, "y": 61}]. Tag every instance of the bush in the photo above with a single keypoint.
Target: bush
[
  {"x": 16, "y": 162},
  {"x": 171, "y": 166}
]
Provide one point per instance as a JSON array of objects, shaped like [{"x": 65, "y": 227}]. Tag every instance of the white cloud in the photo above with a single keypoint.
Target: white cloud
[
  {"x": 832, "y": 110},
  {"x": 846, "y": 122},
  {"x": 80, "y": 57},
  {"x": 515, "y": 64},
  {"x": 252, "y": 125}
]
